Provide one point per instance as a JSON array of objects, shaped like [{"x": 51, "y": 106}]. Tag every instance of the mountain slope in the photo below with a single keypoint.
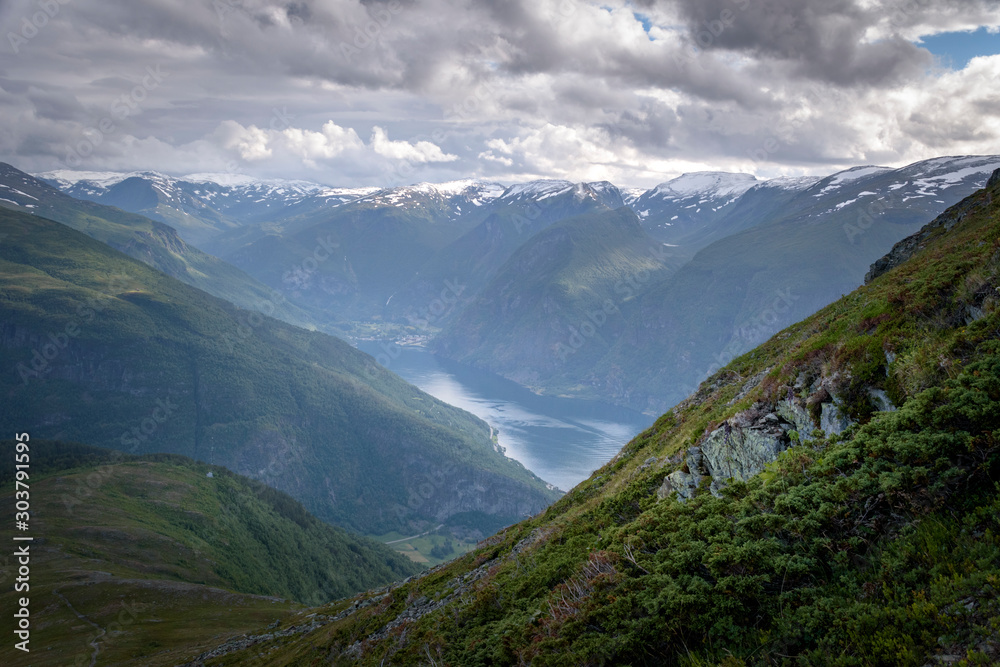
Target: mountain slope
[
  {"x": 786, "y": 513},
  {"x": 154, "y": 546},
  {"x": 556, "y": 306},
  {"x": 472, "y": 260},
  {"x": 739, "y": 290},
  {"x": 146, "y": 240},
  {"x": 103, "y": 350}
]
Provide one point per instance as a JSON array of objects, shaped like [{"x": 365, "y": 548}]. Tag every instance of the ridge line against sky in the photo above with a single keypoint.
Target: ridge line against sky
[{"x": 392, "y": 92}]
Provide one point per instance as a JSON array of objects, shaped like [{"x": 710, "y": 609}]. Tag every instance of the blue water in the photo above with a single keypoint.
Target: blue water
[{"x": 561, "y": 440}]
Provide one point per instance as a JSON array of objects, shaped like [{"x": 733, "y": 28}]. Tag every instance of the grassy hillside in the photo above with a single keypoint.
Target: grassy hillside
[
  {"x": 101, "y": 349},
  {"x": 868, "y": 536},
  {"x": 148, "y": 241},
  {"x": 557, "y": 305},
  {"x": 185, "y": 556}
]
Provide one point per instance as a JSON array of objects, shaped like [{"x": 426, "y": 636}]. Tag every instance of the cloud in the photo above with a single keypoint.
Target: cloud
[
  {"x": 422, "y": 151},
  {"x": 505, "y": 90}
]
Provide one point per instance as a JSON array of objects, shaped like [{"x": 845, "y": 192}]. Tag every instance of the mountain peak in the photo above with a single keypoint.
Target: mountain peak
[{"x": 715, "y": 183}]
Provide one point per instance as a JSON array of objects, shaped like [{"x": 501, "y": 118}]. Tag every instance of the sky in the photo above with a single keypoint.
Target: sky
[{"x": 353, "y": 93}]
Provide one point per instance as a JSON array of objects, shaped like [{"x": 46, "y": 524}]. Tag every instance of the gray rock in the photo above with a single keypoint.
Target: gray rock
[
  {"x": 832, "y": 420},
  {"x": 741, "y": 453},
  {"x": 797, "y": 415},
  {"x": 881, "y": 400},
  {"x": 972, "y": 314},
  {"x": 685, "y": 484}
]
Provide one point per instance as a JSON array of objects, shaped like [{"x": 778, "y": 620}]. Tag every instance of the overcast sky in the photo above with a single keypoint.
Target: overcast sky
[{"x": 375, "y": 93}]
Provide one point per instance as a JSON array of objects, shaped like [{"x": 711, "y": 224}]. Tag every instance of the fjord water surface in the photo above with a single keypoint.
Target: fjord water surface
[{"x": 562, "y": 440}]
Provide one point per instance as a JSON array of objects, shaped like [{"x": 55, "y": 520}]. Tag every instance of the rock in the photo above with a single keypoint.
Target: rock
[
  {"x": 832, "y": 420},
  {"x": 648, "y": 462},
  {"x": 795, "y": 414},
  {"x": 881, "y": 400},
  {"x": 972, "y": 314},
  {"x": 685, "y": 484},
  {"x": 739, "y": 453}
]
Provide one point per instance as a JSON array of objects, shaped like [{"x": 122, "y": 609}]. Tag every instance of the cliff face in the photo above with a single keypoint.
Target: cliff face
[{"x": 151, "y": 365}]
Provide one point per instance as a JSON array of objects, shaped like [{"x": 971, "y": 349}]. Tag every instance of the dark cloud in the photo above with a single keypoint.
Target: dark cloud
[{"x": 821, "y": 39}]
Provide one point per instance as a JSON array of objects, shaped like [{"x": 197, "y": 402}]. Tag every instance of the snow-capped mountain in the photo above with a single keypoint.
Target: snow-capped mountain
[
  {"x": 925, "y": 188},
  {"x": 458, "y": 197},
  {"x": 672, "y": 209},
  {"x": 690, "y": 210},
  {"x": 602, "y": 192}
]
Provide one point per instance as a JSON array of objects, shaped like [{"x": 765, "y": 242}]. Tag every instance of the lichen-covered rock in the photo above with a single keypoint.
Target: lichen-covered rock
[
  {"x": 832, "y": 420},
  {"x": 740, "y": 453},
  {"x": 685, "y": 484},
  {"x": 798, "y": 416}
]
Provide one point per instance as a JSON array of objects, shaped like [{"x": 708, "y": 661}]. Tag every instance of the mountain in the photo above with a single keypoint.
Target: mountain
[
  {"x": 737, "y": 291},
  {"x": 452, "y": 278},
  {"x": 199, "y": 206},
  {"x": 186, "y": 550},
  {"x": 770, "y": 254},
  {"x": 555, "y": 307},
  {"x": 828, "y": 498},
  {"x": 673, "y": 210},
  {"x": 345, "y": 262},
  {"x": 104, "y": 350},
  {"x": 148, "y": 241}
]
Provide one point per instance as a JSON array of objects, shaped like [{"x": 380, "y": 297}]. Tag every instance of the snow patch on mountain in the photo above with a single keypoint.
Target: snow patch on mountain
[{"x": 706, "y": 183}]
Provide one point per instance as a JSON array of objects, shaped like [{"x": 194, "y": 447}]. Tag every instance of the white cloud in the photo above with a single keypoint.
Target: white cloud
[{"x": 422, "y": 151}]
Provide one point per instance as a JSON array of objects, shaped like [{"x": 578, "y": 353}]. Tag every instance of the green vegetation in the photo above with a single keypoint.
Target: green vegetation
[
  {"x": 151, "y": 242},
  {"x": 101, "y": 349},
  {"x": 170, "y": 555},
  {"x": 555, "y": 308},
  {"x": 876, "y": 546}
]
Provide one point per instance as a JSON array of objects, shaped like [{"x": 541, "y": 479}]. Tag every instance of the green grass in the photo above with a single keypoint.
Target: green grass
[{"x": 159, "y": 555}]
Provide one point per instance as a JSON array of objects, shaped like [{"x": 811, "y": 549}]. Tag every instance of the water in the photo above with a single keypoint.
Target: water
[{"x": 562, "y": 440}]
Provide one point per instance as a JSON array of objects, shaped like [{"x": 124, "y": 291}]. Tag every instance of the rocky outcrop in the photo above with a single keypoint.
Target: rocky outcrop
[
  {"x": 945, "y": 222},
  {"x": 739, "y": 449},
  {"x": 745, "y": 444}
]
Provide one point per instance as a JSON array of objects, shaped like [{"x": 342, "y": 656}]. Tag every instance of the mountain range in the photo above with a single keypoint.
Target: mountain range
[
  {"x": 724, "y": 261},
  {"x": 102, "y": 349}
]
